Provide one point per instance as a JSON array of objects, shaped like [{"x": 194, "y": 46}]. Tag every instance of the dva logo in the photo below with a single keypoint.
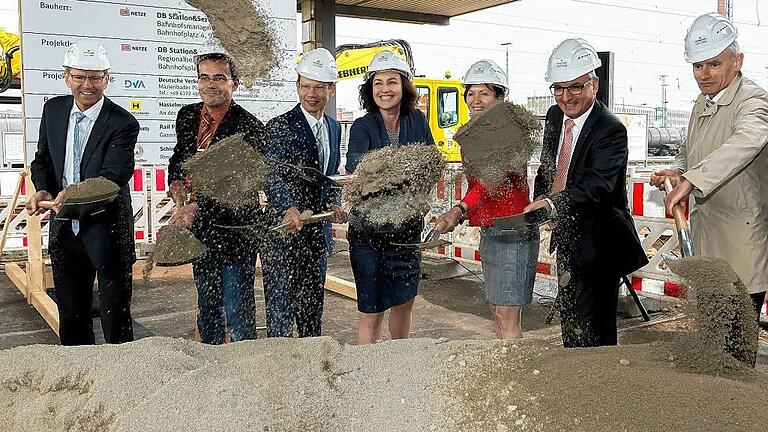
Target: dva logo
[{"x": 134, "y": 84}]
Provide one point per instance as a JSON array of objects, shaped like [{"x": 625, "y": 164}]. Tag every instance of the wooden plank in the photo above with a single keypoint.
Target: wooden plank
[
  {"x": 11, "y": 208},
  {"x": 47, "y": 280},
  {"x": 341, "y": 286},
  {"x": 35, "y": 265},
  {"x": 17, "y": 276},
  {"x": 39, "y": 299},
  {"x": 47, "y": 309}
]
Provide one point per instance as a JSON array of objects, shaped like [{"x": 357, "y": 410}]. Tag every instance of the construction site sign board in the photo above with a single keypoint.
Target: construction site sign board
[{"x": 151, "y": 45}]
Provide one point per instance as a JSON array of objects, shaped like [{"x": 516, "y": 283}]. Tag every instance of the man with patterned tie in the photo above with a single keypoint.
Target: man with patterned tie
[
  {"x": 581, "y": 182},
  {"x": 84, "y": 136},
  {"x": 723, "y": 162},
  {"x": 225, "y": 275},
  {"x": 294, "y": 274}
]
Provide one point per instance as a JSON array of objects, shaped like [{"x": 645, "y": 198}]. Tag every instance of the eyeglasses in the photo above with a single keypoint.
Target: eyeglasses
[
  {"x": 574, "y": 89},
  {"x": 216, "y": 78},
  {"x": 319, "y": 88},
  {"x": 93, "y": 79}
]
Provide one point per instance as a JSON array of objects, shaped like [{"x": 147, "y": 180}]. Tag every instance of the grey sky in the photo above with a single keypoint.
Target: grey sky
[{"x": 646, "y": 37}]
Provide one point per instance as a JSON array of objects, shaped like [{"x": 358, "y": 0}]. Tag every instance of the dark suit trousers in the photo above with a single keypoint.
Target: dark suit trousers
[
  {"x": 588, "y": 301},
  {"x": 294, "y": 282},
  {"x": 73, "y": 276}
]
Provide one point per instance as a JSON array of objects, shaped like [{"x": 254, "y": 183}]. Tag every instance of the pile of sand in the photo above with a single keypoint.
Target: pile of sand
[
  {"x": 175, "y": 246},
  {"x": 90, "y": 190},
  {"x": 231, "y": 171},
  {"x": 724, "y": 314},
  {"x": 394, "y": 183},
  {"x": 498, "y": 141},
  {"x": 244, "y": 32},
  {"x": 316, "y": 384}
]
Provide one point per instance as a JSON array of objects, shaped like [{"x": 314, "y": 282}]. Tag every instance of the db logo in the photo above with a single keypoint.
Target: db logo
[
  {"x": 125, "y": 47},
  {"x": 125, "y": 12}
]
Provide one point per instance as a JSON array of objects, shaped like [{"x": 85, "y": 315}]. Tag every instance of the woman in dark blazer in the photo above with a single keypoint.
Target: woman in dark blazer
[{"x": 386, "y": 276}]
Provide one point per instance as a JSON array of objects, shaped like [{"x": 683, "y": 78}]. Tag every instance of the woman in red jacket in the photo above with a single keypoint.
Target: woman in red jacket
[{"x": 509, "y": 256}]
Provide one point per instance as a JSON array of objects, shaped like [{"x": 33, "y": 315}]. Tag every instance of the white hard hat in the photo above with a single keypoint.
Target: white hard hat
[
  {"x": 210, "y": 46},
  {"x": 388, "y": 60},
  {"x": 485, "y": 72},
  {"x": 86, "y": 54},
  {"x": 570, "y": 60},
  {"x": 708, "y": 36},
  {"x": 318, "y": 65}
]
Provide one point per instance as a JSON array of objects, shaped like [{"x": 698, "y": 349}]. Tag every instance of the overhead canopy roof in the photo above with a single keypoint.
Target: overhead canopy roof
[{"x": 414, "y": 11}]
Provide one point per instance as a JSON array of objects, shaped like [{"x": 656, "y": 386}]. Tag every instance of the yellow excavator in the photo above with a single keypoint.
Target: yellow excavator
[
  {"x": 440, "y": 99},
  {"x": 10, "y": 63}
]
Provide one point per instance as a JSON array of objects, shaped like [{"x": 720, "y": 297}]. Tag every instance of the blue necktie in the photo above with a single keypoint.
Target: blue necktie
[{"x": 78, "y": 157}]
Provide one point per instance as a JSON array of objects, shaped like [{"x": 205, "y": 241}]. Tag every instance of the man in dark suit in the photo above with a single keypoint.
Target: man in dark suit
[
  {"x": 294, "y": 273},
  {"x": 85, "y": 136},
  {"x": 225, "y": 275},
  {"x": 581, "y": 181}
]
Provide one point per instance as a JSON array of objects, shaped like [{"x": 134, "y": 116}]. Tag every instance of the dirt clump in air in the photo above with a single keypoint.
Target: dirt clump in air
[
  {"x": 90, "y": 190},
  {"x": 724, "y": 315},
  {"x": 498, "y": 141},
  {"x": 243, "y": 29},
  {"x": 175, "y": 246},
  {"x": 394, "y": 183},
  {"x": 230, "y": 171}
]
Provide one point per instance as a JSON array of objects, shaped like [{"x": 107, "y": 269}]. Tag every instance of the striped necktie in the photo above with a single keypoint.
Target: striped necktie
[
  {"x": 564, "y": 158},
  {"x": 708, "y": 102},
  {"x": 79, "y": 142},
  {"x": 320, "y": 146},
  {"x": 206, "y": 131}
]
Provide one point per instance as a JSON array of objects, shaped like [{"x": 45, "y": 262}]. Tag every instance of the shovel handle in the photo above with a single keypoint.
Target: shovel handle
[
  {"x": 678, "y": 214},
  {"x": 48, "y": 205}
]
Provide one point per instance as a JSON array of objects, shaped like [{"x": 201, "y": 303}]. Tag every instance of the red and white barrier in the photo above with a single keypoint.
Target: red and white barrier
[
  {"x": 138, "y": 188},
  {"x": 657, "y": 233},
  {"x": 160, "y": 206}
]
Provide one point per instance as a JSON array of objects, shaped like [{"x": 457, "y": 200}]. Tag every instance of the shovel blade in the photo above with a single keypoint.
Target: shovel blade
[{"x": 526, "y": 220}]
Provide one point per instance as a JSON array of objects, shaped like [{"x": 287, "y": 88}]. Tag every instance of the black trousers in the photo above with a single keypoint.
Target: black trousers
[
  {"x": 73, "y": 277},
  {"x": 758, "y": 299},
  {"x": 588, "y": 301},
  {"x": 294, "y": 269}
]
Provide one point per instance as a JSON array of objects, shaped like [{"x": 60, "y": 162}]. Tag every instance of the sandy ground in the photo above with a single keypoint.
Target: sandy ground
[
  {"x": 324, "y": 384},
  {"x": 164, "y": 384}
]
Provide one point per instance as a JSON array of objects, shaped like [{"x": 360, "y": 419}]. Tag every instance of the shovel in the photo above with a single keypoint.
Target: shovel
[
  {"x": 79, "y": 210},
  {"x": 176, "y": 246},
  {"x": 313, "y": 175},
  {"x": 431, "y": 241},
  {"x": 683, "y": 230},
  {"x": 531, "y": 219},
  {"x": 306, "y": 217}
]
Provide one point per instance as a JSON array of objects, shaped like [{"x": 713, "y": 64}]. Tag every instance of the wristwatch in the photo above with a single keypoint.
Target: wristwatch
[{"x": 463, "y": 212}]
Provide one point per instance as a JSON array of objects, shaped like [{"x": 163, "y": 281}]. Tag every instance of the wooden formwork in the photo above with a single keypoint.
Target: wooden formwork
[{"x": 31, "y": 280}]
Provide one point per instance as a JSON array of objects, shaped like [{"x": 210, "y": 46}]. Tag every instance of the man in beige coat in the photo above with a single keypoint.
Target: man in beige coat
[{"x": 724, "y": 162}]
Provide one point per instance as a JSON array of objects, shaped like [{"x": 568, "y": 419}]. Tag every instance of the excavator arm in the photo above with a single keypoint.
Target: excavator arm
[
  {"x": 353, "y": 59},
  {"x": 10, "y": 61}
]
